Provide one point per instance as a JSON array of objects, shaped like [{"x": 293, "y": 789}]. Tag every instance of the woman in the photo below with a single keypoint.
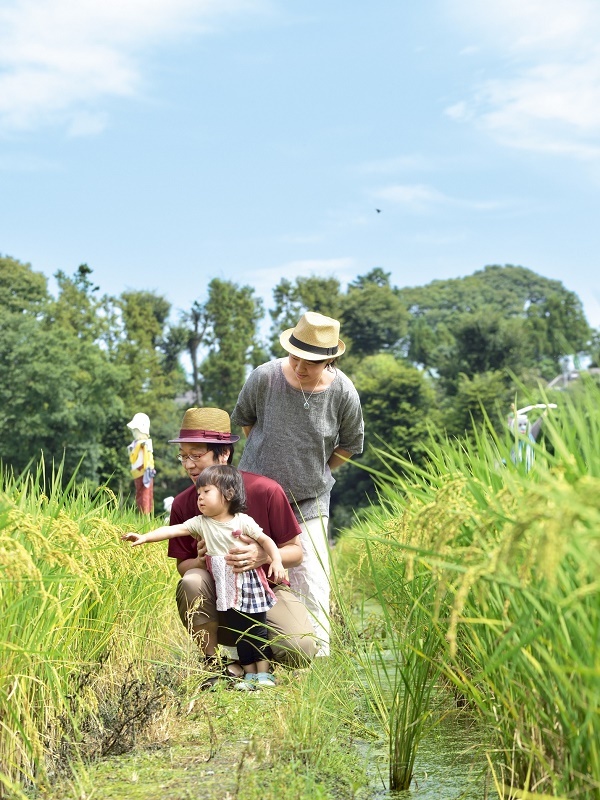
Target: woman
[{"x": 302, "y": 417}]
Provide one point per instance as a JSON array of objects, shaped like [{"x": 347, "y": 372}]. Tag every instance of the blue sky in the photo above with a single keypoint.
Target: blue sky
[{"x": 167, "y": 142}]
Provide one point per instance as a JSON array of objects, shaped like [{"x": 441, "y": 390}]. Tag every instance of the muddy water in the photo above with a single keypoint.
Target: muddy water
[{"x": 450, "y": 764}]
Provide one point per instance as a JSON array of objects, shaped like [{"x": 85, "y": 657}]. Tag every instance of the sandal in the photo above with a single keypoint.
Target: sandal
[
  {"x": 218, "y": 671},
  {"x": 215, "y": 669}
]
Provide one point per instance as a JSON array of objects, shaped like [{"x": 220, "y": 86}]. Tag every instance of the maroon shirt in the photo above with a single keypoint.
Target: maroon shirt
[{"x": 267, "y": 504}]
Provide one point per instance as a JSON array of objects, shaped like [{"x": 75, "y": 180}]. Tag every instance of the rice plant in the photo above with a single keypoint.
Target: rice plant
[
  {"x": 79, "y": 617},
  {"x": 503, "y": 565},
  {"x": 394, "y": 648}
]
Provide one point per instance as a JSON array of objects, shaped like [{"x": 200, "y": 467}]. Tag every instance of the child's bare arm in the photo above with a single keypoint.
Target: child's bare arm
[
  {"x": 157, "y": 535},
  {"x": 276, "y": 571}
]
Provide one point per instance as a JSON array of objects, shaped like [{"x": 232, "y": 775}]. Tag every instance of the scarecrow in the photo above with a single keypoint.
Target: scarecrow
[
  {"x": 526, "y": 433},
  {"x": 141, "y": 459}
]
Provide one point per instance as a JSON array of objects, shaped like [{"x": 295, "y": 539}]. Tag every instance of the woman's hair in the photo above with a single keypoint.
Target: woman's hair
[
  {"x": 330, "y": 363},
  {"x": 228, "y": 481}
]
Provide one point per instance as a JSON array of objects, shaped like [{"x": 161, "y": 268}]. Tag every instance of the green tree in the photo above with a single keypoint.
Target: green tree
[
  {"x": 58, "y": 388},
  {"x": 483, "y": 342},
  {"x": 233, "y": 313},
  {"x": 78, "y": 307},
  {"x": 555, "y": 321},
  {"x": 374, "y": 318},
  {"x": 477, "y": 396},
  {"x": 57, "y": 393},
  {"x": 21, "y": 289},
  {"x": 595, "y": 348},
  {"x": 195, "y": 322},
  {"x": 557, "y": 326},
  {"x": 146, "y": 348},
  {"x": 400, "y": 412}
]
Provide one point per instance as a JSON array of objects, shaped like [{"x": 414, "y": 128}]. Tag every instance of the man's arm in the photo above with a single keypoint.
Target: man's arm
[
  {"x": 254, "y": 555},
  {"x": 183, "y": 564}
]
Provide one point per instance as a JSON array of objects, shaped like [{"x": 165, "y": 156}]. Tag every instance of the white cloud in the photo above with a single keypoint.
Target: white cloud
[
  {"x": 59, "y": 59},
  {"x": 307, "y": 238},
  {"x": 526, "y": 25},
  {"x": 25, "y": 162},
  {"x": 398, "y": 164},
  {"x": 421, "y": 198},
  {"x": 415, "y": 196},
  {"x": 326, "y": 267},
  {"x": 548, "y": 99},
  {"x": 267, "y": 278}
]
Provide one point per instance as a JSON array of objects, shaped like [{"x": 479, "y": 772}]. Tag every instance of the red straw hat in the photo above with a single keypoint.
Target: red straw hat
[{"x": 209, "y": 425}]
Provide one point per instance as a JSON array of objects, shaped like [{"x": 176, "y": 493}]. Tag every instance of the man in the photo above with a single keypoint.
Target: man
[{"x": 205, "y": 438}]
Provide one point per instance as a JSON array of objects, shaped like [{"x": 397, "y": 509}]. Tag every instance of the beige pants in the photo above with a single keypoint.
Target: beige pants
[
  {"x": 289, "y": 628},
  {"x": 310, "y": 579}
]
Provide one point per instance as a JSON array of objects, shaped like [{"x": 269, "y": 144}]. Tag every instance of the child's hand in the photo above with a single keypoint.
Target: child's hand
[
  {"x": 134, "y": 538},
  {"x": 276, "y": 571}
]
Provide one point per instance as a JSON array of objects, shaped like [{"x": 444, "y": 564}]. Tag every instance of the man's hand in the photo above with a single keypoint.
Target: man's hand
[{"x": 245, "y": 555}]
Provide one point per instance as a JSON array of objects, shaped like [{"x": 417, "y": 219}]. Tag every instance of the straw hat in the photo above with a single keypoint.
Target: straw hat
[
  {"x": 140, "y": 422},
  {"x": 209, "y": 425},
  {"x": 314, "y": 338}
]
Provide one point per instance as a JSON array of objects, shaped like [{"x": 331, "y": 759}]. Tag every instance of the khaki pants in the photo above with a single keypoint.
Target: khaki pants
[{"x": 289, "y": 628}]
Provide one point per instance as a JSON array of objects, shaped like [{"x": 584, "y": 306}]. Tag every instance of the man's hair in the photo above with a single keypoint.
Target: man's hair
[
  {"x": 221, "y": 449},
  {"x": 228, "y": 481}
]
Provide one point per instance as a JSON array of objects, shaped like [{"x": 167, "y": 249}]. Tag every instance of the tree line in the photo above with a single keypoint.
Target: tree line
[{"x": 75, "y": 367}]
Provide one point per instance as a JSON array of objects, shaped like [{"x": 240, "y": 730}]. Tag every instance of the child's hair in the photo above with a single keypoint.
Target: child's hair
[{"x": 228, "y": 481}]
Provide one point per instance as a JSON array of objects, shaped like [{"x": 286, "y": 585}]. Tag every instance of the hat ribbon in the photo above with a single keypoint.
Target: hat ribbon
[
  {"x": 200, "y": 432},
  {"x": 311, "y": 348}
]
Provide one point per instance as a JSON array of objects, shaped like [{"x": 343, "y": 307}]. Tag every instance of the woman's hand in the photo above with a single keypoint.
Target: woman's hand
[
  {"x": 246, "y": 554},
  {"x": 134, "y": 538}
]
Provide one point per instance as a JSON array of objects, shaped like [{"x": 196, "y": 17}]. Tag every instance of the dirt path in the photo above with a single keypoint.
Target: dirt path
[{"x": 228, "y": 746}]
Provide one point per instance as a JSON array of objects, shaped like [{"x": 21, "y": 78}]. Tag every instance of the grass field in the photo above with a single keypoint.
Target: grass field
[
  {"x": 473, "y": 579},
  {"x": 95, "y": 664}
]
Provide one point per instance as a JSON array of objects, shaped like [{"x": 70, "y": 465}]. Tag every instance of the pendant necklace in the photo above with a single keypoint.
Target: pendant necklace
[{"x": 306, "y": 399}]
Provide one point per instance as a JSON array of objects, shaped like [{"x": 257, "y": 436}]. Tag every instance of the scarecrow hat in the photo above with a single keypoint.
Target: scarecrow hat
[
  {"x": 314, "y": 338},
  {"x": 140, "y": 422},
  {"x": 210, "y": 425}
]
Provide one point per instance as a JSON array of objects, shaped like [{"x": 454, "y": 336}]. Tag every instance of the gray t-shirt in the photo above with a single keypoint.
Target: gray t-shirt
[{"x": 292, "y": 444}]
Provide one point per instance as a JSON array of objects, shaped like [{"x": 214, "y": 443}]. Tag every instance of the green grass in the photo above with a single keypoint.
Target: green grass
[{"x": 293, "y": 743}]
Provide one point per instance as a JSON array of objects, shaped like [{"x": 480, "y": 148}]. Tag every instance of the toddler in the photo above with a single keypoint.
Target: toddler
[{"x": 244, "y": 597}]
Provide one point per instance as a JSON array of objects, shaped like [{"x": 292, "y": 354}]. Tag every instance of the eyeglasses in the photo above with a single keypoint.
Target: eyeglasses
[{"x": 195, "y": 458}]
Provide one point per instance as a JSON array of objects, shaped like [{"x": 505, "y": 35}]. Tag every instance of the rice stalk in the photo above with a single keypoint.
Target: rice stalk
[
  {"x": 77, "y": 609},
  {"x": 513, "y": 558}
]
